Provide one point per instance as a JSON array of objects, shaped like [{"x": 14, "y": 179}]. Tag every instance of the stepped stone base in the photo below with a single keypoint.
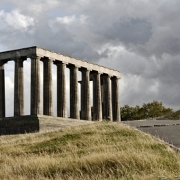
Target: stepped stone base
[{"x": 31, "y": 123}]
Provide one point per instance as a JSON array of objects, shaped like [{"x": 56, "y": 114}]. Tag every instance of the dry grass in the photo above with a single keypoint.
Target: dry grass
[{"x": 94, "y": 151}]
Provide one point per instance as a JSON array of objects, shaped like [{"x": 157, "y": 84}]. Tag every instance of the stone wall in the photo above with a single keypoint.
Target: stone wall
[{"x": 19, "y": 125}]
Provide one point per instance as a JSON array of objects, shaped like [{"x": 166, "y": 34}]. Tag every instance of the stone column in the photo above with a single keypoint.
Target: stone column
[
  {"x": 102, "y": 94},
  {"x": 2, "y": 89},
  {"x": 107, "y": 104},
  {"x": 19, "y": 88},
  {"x": 35, "y": 86},
  {"x": 61, "y": 89},
  {"x": 47, "y": 87},
  {"x": 97, "y": 103},
  {"x": 74, "y": 100},
  {"x": 85, "y": 95},
  {"x": 115, "y": 99}
]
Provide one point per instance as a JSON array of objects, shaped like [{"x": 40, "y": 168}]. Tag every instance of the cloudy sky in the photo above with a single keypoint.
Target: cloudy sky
[{"x": 140, "y": 38}]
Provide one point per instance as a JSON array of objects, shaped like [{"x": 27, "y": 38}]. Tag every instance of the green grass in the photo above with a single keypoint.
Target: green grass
[{"x": 94, "y": 151}]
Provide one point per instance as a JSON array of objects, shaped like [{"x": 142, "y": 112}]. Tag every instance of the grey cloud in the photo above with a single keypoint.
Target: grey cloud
[
  {"x": 55, "y": 37},
  {"x": 133, "y": 31},
  {"x": 167, "y": 44},
  {"x": 147, "y": 79}
]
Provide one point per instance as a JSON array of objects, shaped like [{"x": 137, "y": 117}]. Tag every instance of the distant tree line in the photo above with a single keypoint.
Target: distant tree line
[{"x": 150, "y": 110}]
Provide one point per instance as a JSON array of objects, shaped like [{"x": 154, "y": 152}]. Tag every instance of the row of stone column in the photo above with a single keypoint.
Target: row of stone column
[{"x": 105, "y": 97}]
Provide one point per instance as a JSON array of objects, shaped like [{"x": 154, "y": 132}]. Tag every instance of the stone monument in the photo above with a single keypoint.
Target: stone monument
[{"x": 105, "y": 90}]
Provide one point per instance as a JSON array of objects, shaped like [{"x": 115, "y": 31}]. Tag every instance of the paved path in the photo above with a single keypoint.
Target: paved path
[{"x": 167, "y": 130}]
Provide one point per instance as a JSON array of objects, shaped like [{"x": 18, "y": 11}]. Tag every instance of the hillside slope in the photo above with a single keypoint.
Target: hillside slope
[{"x": 93, "y": 151}]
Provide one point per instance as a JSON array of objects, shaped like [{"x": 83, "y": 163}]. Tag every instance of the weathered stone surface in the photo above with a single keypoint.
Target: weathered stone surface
[
  {"x": 61, "y": 89},
  {"x": 37, "y": 51},
  {"x": 115, "y": 99},
  {"x": 85, "y": 95},
  {"x": 74, "y": 99},
  {"x": 2, "y": 89},
  {"x": 97, "y": 103},
  {"x": 19, "y": 87},
  {"x": 19, "y": 124},
  {"x": 47, "y": 87},
  {"x": 35, "y": 86},
  {"x": 107, "y": 104}
]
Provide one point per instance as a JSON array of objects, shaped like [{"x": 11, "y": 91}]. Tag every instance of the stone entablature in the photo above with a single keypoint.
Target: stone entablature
[
  {"x": 105, "y": 85},
  {"x": 37, "y": 51}
]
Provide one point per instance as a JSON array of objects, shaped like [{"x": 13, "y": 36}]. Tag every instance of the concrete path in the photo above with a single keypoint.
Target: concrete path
[{"x": 167, "y": 130}]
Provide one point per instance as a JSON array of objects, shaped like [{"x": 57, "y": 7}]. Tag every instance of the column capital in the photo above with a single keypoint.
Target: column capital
[
  {"x": 47, "y": 59},
  {"x": 84, "y": 69},
  {"x": 35, "y": 57},
  {"x": 57, "y": 62},
  {"x": 115, "y": 77},
  {"x": 106, "y": 75},
  {"x": 2, "y": 62},
  {"x": 73, "y": 65},
  {"x": 96, "y": 72},
  {"x": 20, "y": 59}
]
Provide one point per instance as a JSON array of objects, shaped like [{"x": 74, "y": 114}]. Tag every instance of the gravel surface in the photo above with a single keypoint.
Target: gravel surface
[{"x": 167, "y": 130}]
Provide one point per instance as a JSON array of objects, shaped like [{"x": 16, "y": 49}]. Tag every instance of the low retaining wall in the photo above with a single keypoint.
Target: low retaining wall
[
  {"x": 19, "y": 125},
  {"x": 32, "y": 123}
]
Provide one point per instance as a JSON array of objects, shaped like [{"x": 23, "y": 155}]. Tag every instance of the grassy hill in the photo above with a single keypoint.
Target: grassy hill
[{"x": 94, "y": 151}]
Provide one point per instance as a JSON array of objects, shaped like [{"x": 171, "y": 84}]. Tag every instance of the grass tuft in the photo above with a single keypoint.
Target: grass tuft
[{"x": 94, "y": 151}]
